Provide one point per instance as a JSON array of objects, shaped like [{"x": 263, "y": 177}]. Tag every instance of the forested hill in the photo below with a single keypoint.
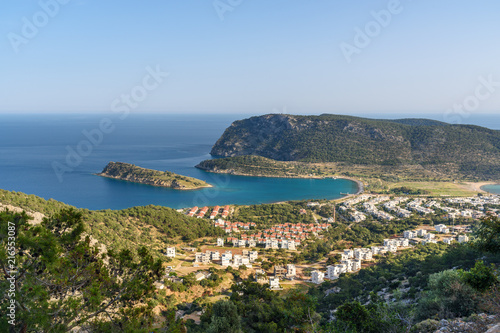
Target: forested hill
[{"x": 469, "y": 150}]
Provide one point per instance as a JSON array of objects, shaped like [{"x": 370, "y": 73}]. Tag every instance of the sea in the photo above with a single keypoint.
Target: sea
[{"x": 57, "y": 155}]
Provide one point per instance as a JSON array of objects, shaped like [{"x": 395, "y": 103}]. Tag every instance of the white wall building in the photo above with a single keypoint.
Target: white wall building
[
  {"x": 291, "y": 271},
  {"x": 274, "y": 283},
  {"x": 170, "y": 252},
  {"x": 408, "y": 234},
  {"x": 317, "y": 277},
  {"x": 421, "y": 232}
]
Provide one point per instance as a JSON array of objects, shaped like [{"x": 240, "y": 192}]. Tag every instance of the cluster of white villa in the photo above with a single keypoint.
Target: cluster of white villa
[
  {"x": 359, "y": 207},
  {"x": 227, "y": 259},
  {"x": 421, "y": 235},
  {"x": 351, "y": 259},
  {"x": 370, "y": 208},
  {"x": 393, "y": 207}
]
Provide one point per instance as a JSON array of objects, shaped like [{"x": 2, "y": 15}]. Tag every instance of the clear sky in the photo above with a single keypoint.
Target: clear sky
[{"x": 263, "y": 56}]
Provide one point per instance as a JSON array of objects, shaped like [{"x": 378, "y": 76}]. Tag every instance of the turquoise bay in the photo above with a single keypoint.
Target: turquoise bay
[
  {"x": 36, "y": 157},
  {"x": 495, "y": 189}
]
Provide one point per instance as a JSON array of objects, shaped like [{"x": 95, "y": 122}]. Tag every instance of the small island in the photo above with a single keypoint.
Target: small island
[{"x": 135, "y": 174}]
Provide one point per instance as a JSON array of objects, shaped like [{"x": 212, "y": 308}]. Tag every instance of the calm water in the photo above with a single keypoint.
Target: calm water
[
  {"x": 495, "y": 189},
  {"x": 30, "y": 144}
]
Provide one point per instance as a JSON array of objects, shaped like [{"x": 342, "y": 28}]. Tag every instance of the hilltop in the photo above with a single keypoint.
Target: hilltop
[
  {"x": 135, "y": 174},
  {"x": 431, "y": 147}
]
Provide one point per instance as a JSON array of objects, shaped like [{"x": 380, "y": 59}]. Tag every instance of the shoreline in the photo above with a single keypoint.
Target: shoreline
[
  {"x": 478, "y": 186},
  {"x": 360, "y": 184},
  {"x": 483, "y": 190}
]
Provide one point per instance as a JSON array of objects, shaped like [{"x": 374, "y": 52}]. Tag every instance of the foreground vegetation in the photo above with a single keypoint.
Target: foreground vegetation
[{"x": 65, "y": 281}]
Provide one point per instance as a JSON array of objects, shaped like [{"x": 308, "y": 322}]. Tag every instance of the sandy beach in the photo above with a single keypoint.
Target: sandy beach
[{"x": 472, "y": 186}]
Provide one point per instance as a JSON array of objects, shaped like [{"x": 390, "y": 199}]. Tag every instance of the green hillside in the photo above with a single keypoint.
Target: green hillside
[
  {"x": 469, "y": 151},
  {"x": 151, "y": 226}
]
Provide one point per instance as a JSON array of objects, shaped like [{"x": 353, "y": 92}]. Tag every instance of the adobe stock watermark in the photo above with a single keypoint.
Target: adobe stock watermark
[
  {"x": 11, "y": 272},
  {"x": 224, "y": 6},
  {"x": 121, "y": 106},
  {"x": 372, "y": 29},
  {"x": 31, "y": 25},
  {"x": 484, "y": 90}
]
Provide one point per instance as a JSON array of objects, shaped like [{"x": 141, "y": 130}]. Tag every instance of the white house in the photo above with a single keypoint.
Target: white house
[
  {"x": 220, "y": 241},
  {"x": 253, "y": 255},
  {"x": 421, "y": 232},
  {"x": 463, "y": 238},
  {"x": 367, "y": 256},
  {"x": 225, "y": 260},
  {"x": 440, "y": 227},
  {"x": 291, "y": 271},
  {"x": 170, "y": 252},
  {"x": 333, "y": 272},
  {"x": 349, "y": 254},
  {"x": 408, "y": 234},
  {"x": 214, "y": 255},
  {"x": 447, "y": 240},
  {"x": 317, "y": 277},
  {"x": 274, "y": 283},
  {"x": 356, "y": 265}
]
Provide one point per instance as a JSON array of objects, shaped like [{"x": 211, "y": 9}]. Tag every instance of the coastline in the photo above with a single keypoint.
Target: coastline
[
  {"x": 143, "y": 183},
  {"x": 478, "y": 186},
  {"x": 483, "y": 190},
  {"x": 360, "y": 184}
]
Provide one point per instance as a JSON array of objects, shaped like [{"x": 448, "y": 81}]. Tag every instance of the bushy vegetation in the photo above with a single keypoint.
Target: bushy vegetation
[
  {"x": 62, "y": 282},
  {"x": 407, "y": 191}
]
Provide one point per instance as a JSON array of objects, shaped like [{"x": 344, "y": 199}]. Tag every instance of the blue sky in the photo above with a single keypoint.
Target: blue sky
[{"x": 264, "y": 56}]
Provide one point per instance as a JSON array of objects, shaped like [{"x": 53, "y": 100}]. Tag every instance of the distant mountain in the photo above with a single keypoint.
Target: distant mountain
[{"x": 469, "y": 150}]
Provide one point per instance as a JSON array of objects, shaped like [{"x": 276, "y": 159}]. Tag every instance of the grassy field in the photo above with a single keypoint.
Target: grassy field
[{"x": 438, "y": 188}]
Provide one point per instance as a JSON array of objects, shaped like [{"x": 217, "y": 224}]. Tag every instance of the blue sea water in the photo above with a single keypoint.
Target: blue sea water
[
  {"x": 495, "y": 189},
  {"x": 31, "y": 145}
]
